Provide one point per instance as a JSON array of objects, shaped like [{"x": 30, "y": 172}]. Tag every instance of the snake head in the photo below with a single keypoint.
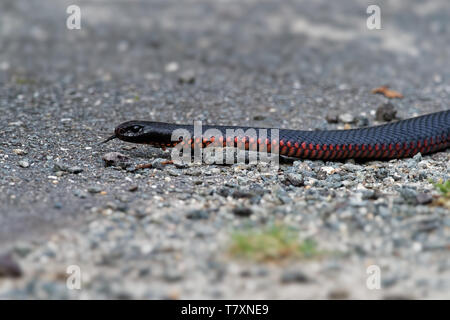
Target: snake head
[
  {"x": 129, "y": 130},
  {"x": 144, "y": 132}
]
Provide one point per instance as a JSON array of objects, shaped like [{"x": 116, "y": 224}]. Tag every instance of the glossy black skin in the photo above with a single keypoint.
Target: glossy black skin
[
  {"x": 144, "y": 132},
  {"x": 160, "y": 133}
]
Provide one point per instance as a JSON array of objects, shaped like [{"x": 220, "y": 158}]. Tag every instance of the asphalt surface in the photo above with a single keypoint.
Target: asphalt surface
[{"x": 264, "y": 63}]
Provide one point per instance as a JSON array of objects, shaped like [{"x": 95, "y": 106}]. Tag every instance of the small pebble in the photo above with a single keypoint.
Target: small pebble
[
  {"x": 386, "y": 112},
  {"x": 114, "y": 159},
  {"x": 409, "y": 195},
  {"x": 133, "y": 188},
  {"x": 346, "y": 118},
  {"x": 197, "y": 215},
  {"x": 75, "y": 170},
  {"x": 80, "y": 194},
  {"x": 187, "y": 76},
  {"x": 24, "y": 163},
  {"x": 294, "y": 276},
  {"x": 9, "y": 268},
  {"x": 242, "y": 212},
  {"x": 424, "y": 198},
  {"x": 295, "y": 179},
  {"x": 171, "y": 66},
  {"x": 362, "y": 121},
  {"x": 20, "y": 152},
  {"x": 94, "y": 189},
  {"x": 332, "y": 117},
  {"x": 59, "y": 167},
  {"x": 172, "y": 275}
]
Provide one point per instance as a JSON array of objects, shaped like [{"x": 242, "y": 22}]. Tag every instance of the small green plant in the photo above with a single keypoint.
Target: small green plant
[
  {"x": 272, "y": 243},
  {"x": 24, "y": 81},
  {"x": 443, "y": 187}
]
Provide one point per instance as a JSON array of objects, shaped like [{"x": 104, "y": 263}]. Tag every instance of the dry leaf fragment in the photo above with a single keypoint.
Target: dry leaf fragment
[{"x": 388, "y": 93}]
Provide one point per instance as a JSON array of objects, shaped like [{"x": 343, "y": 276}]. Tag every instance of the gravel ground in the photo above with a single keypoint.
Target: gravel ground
[{"x": 166, "y": 232}]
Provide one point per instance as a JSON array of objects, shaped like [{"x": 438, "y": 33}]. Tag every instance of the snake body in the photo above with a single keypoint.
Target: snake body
[{"x": 425, "y": 134}]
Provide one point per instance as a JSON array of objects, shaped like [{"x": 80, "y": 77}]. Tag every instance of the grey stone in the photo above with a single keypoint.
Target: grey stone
[{"x": 386, "y": 112}]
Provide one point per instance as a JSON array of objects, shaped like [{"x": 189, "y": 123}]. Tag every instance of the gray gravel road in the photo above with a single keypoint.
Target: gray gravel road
[{"x": 167, "y": 232}]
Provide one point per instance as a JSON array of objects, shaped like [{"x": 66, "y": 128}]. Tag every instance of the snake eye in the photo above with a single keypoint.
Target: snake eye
[{"x": 135, "y": 129}]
